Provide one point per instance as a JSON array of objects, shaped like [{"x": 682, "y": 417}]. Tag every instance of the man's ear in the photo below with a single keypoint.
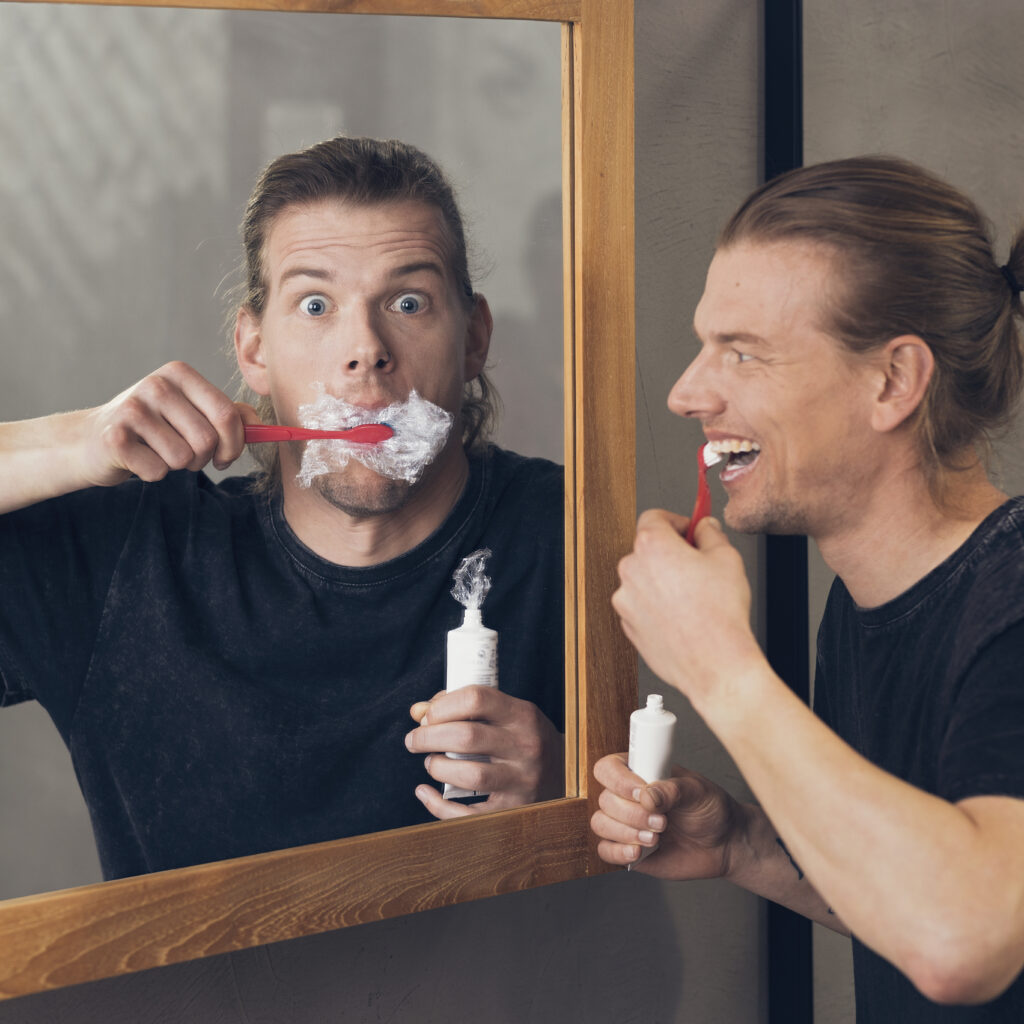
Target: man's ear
[
  {"x": 478, "y": 338},
  {"x": 249, "y": 352},
  {"x": 907, "y": 365}
]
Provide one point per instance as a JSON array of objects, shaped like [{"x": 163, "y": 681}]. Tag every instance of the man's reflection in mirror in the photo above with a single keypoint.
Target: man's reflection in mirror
[{"x": 233, "y": 665}]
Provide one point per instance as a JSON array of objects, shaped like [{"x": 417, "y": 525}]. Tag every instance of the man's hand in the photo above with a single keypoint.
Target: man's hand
[
  {"x": 172, "y": 419},
  {"x": 525, "y": 750},
  {"x": 684, "y": 827},
  {"x": 686, "y": 609}
]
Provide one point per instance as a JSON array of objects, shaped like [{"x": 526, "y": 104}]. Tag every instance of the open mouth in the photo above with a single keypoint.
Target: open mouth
[{"x": 740, "y": 454}]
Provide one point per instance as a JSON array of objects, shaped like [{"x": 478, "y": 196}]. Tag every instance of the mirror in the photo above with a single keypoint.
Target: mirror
[
  {"x": 122, "y": 221},
  {"x": 101, "y": 930}
]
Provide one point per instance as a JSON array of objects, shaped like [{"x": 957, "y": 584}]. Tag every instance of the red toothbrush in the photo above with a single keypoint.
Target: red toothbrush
[
  {"x": 702, "y": 506},
  {"x": 365, "y": 433}
]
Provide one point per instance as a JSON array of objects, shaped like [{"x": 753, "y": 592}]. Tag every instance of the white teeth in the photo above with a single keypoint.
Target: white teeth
[{"x": 733, "y": 446}]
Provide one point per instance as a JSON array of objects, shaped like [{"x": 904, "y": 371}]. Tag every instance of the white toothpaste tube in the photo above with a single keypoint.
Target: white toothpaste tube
[
  {"x": 651, "y": 732},
  {"x": 472, "y": 648}
]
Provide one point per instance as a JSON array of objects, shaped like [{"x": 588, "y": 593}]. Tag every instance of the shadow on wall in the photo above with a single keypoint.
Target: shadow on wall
[{"x": 556, "y": 954}]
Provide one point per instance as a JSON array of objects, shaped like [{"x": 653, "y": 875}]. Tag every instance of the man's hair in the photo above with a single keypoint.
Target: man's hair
[
  {"x": 912, "y": 255},
  {"x": 363, "y": 172}
]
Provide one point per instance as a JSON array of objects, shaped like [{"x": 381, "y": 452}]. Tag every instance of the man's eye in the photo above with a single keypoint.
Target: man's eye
[
  {"x": 408, "y": 303},
  {"x": 313, "y": 305}
]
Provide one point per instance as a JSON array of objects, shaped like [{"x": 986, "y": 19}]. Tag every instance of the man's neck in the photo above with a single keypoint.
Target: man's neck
[
  {"x": 346, "y": 539},
  {"x": 902, "y": 533}
]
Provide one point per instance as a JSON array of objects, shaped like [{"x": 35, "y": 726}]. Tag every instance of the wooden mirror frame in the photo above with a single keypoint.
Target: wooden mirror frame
[{"x": 132, "y": 924}]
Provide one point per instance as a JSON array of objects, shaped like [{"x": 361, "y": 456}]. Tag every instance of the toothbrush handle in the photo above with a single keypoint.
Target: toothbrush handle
[
  {"x": 366, "y": 433},
  {"x": 256, "y": 433},
  {"x": 702, "y": 506}
]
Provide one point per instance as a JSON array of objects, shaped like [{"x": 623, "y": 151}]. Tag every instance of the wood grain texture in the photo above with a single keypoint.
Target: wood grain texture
[
  {"x": 133, "y": 924},
  {"x": 525, "y": 10},
  {"x": 604, "y": 344},
  {"x": 569, "y": 246},
  {"x": 101, "y": 931}
]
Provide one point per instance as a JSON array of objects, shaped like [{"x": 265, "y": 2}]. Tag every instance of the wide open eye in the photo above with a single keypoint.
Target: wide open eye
[
  {"x": 313, "y": 305},
  {"x": 410, "y": 303}
]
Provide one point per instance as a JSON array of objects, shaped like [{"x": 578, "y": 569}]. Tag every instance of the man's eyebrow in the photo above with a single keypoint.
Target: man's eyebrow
[
  {"x": 317, "y": 273},
  {"x": 729, "y": 337},
  {"x": 408, "y": 269},
  {"x": 744, "y": 336}
]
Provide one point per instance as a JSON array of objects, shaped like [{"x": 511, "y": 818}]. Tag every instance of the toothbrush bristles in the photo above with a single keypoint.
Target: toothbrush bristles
[{"x": 710, "y": 456}]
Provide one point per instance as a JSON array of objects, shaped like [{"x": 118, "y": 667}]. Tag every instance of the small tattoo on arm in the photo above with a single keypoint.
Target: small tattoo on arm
[{"x": 796, "y": 867}]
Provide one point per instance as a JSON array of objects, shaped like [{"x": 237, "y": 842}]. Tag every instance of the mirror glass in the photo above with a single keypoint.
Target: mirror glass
[{"x": 132, "y": 138}]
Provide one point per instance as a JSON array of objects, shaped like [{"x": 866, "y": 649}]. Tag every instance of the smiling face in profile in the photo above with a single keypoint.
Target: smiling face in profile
[{"x": 769, "y": 379}]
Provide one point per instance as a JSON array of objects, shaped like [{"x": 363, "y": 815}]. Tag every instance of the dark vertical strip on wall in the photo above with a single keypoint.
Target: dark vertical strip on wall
[{"x": 790, "y": 974}]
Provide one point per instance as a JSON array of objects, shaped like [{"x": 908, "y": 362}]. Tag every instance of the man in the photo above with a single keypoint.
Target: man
[
  {"x": 233, "y": 665},
  {"x": 858, "y": 346}
]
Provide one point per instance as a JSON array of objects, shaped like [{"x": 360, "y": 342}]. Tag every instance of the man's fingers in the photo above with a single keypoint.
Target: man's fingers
[
  {"x": 660, "y": 519},
  {"x": 482, "y": 703},
  {"x": 617, "y": 853},
  {"x": 630, "y": 812},
  {"x": 205, "y": 417},
  {"x": 438, "y": 806},
  {"x": 462, "y": 738},
  {"x": 418, "y": 710},
  {"x": 710, "y": 535},
  {"x": 179, "y": 417},
  {"x": 606, "y": 826},
  {"x": 612, "y": 771},
  {"x": 478, "y": 776}
]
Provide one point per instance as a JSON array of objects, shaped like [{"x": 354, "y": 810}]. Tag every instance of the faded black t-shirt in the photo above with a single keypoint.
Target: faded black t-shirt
[
  {"x": 224, "y": 691},
  {"x": 930, "y": 687}
]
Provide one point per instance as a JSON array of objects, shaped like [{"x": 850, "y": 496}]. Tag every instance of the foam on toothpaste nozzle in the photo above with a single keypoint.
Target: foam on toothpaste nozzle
[{"x": 471, "y": 585}]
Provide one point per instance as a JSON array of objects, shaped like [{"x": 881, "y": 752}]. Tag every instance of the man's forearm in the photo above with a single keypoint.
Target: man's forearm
[
  {"x": 37, "y": 460},
  {"x": 911, "y": 875},
  {"x": 762, "y": 863}
]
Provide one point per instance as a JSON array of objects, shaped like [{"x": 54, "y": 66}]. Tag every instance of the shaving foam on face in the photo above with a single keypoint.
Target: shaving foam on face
[
  {"x": 420, "y": 432},
  {"x": 472, "y": 649}
]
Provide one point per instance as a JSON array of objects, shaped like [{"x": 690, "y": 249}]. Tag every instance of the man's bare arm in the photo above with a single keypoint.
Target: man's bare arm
[{"x": 172, "y": 419}]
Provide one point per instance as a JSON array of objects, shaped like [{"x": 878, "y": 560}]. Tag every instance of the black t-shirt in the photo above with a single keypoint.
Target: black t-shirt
[
  {"x": 930, "y": 687},
  {"x": 224, "y": 691}
]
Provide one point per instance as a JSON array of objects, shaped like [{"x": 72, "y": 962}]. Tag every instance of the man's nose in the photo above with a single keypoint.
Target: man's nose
[
  {"x": 696, "y": 394},
  {"x": 365, "y": 347}
]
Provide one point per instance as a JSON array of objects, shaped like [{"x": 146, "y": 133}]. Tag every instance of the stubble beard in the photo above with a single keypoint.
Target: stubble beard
[
  {"x": 778, "y": 518},
  {"x": 365, "y": 500}
]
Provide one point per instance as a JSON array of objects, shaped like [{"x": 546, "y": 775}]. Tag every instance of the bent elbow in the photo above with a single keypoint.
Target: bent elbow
[{"x": 964, "y": 977}]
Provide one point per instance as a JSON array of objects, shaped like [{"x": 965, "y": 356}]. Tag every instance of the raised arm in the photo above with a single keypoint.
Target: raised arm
[
  {"x": 936, "y": 888},
  {"x": 172, "y": 419}
]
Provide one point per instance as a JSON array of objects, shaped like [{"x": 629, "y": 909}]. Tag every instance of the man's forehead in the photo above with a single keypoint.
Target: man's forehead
[
  {"x": 382, "y": 229},
  {"x": 762, "y": 292}
]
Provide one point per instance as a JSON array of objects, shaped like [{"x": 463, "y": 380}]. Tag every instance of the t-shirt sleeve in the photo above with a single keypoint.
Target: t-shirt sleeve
[
  {"x": 57, "y": 559},
  {"x": 982, "y": 753}
]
